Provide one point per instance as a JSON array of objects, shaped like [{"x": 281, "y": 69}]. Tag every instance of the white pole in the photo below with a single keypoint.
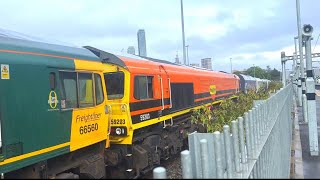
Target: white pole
[
  {"x": 184, "y": 44},
  {"x": 298, "y": 73},
  {"x": 303, "y": 84},
  {"x": 311, "y": 102}
]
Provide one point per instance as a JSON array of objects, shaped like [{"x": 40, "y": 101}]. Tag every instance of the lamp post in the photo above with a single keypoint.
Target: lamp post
[
  {"x": 298, "y": 80},
  {"x": 231, "y": 65},
  {"x": 302, "y": 77},
  {"x": 183, "y": 40},
  {"x": 187, "y": 46}
]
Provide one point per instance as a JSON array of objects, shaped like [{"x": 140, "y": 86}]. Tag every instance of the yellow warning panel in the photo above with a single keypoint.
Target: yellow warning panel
[
  {"x": 212, "y": 89},
  {"x": 5, "y": 73}
]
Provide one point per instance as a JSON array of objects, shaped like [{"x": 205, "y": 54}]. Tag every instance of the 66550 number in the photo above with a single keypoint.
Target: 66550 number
[{"x": 88, "y": 128}]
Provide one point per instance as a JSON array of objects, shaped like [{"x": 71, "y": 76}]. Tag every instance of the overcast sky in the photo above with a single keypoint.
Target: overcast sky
[{"x": 248, "y": 31}]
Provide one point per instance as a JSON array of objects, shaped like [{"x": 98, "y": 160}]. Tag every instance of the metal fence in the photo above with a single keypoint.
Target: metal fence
[{"x": 258, "y": 146}]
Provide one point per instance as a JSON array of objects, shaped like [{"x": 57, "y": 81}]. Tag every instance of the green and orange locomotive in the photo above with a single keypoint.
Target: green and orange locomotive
[{"x": 68, "y": 112}]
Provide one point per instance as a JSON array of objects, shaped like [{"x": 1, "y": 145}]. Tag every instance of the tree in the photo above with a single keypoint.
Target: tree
[
  {"x": 237, "y": 72},
  {"x": 268, "y": 70},
  {"x": 275, "y": 75},
  {"x": 257, "y": 72}
]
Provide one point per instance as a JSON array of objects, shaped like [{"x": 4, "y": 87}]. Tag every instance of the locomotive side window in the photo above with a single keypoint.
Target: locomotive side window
[
  {"x": 85, "y": 90},
  {"x": 69, "y": 89},
  {"x": 80, "y": 90},
  {"x": 115, "y": 85},
  {"x": 143, "y": 87},
  {"x": 98, "y": 90}
]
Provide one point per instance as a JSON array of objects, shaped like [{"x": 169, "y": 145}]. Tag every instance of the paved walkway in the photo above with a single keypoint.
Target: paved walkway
[{"x": 306, "y": 166}]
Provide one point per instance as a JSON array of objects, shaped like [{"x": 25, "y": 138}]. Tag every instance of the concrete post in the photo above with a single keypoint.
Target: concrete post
[
  {"x": 283, "y": 68},
  {"x": 235, "y": 135},
  {"x": 248, "y": 135},
  {"x": 242, "y": 144},
  {"x": 305, "y": 108},
  {"x": 218, "y": 154},
  {"x": 186, "y": 165},
  {"x": 204, "y": 158},
  {"x": 310, "y": 95},
  {"x": 159, "y": 173},
  {"x": 227, "y": 139},
  {"x": 297, "y": 73}
]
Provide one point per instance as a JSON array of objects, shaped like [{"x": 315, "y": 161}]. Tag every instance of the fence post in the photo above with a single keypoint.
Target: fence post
[
  {"x": 256, "y": 125},
  {"x": 255, "y": 120},
  {"x": 218, "y": 155},
  {"x": 265, "y": 117},
  {"x": 260, "y": 121},
  {"x": 226, "y": 133},
  {"x": 236, "y": 144},
  {"x": 223, "y": 151},
  {"x": 248, "y": 135},
  {"x": 241, "y": 136},
  {"x": 258, "y": 115},
  {"x": 204, "y": 158},
  {"x": 252, "y": 132},
  {"x": 159, "y": 173},
  {"x": 186, "y": 165}
]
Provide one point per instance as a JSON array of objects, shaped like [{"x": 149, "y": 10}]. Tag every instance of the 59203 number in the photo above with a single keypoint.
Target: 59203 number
[{"x": 88, "y": 128}]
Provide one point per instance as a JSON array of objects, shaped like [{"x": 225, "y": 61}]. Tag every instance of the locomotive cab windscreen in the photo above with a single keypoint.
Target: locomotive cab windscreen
[
  {"x": 117, "y": 102},
  {"x": 115, "y": 85}
]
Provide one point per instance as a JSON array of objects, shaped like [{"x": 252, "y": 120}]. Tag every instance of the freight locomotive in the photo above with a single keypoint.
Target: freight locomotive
[
  {"x": 53, "y": 117},
  {"x": 68, "y": 112},
  {"x": 152, "y": 101}
]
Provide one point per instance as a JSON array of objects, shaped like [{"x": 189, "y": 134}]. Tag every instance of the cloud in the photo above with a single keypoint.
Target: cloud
[{"x": 248, "y": 31}]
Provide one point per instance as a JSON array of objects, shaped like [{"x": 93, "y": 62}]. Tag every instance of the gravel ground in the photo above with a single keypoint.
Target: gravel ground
[{"x": 173, "y": 167}]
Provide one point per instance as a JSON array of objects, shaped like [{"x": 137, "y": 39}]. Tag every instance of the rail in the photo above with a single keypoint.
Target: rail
[{"x": 258, "y": 146}]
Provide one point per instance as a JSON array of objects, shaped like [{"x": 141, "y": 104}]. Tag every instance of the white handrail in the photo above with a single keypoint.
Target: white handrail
[
  {"x": 162, "y": 93},
  {"x": 170, "y": 92}
]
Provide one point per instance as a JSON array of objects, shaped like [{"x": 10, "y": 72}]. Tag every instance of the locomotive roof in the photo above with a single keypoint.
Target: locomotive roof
[
  {"x": 29, "y": 45},
  {"x": 15, "y": 43},
  {"x": 247, "y": 77},
  {"x": 250, "y": 78},
  {"x": 123, "y": 59}
]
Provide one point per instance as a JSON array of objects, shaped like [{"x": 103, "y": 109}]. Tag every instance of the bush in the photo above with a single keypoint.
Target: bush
[
  {"x": 274, "y": 86},
  {"x": 214, "y": 117}
]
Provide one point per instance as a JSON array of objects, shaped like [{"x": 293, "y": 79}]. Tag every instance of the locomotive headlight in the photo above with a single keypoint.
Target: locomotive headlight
[{"x": 118, "y": 131}]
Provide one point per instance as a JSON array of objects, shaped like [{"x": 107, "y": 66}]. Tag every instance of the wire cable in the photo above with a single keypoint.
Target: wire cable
[{"x": 316, "y": 43}]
